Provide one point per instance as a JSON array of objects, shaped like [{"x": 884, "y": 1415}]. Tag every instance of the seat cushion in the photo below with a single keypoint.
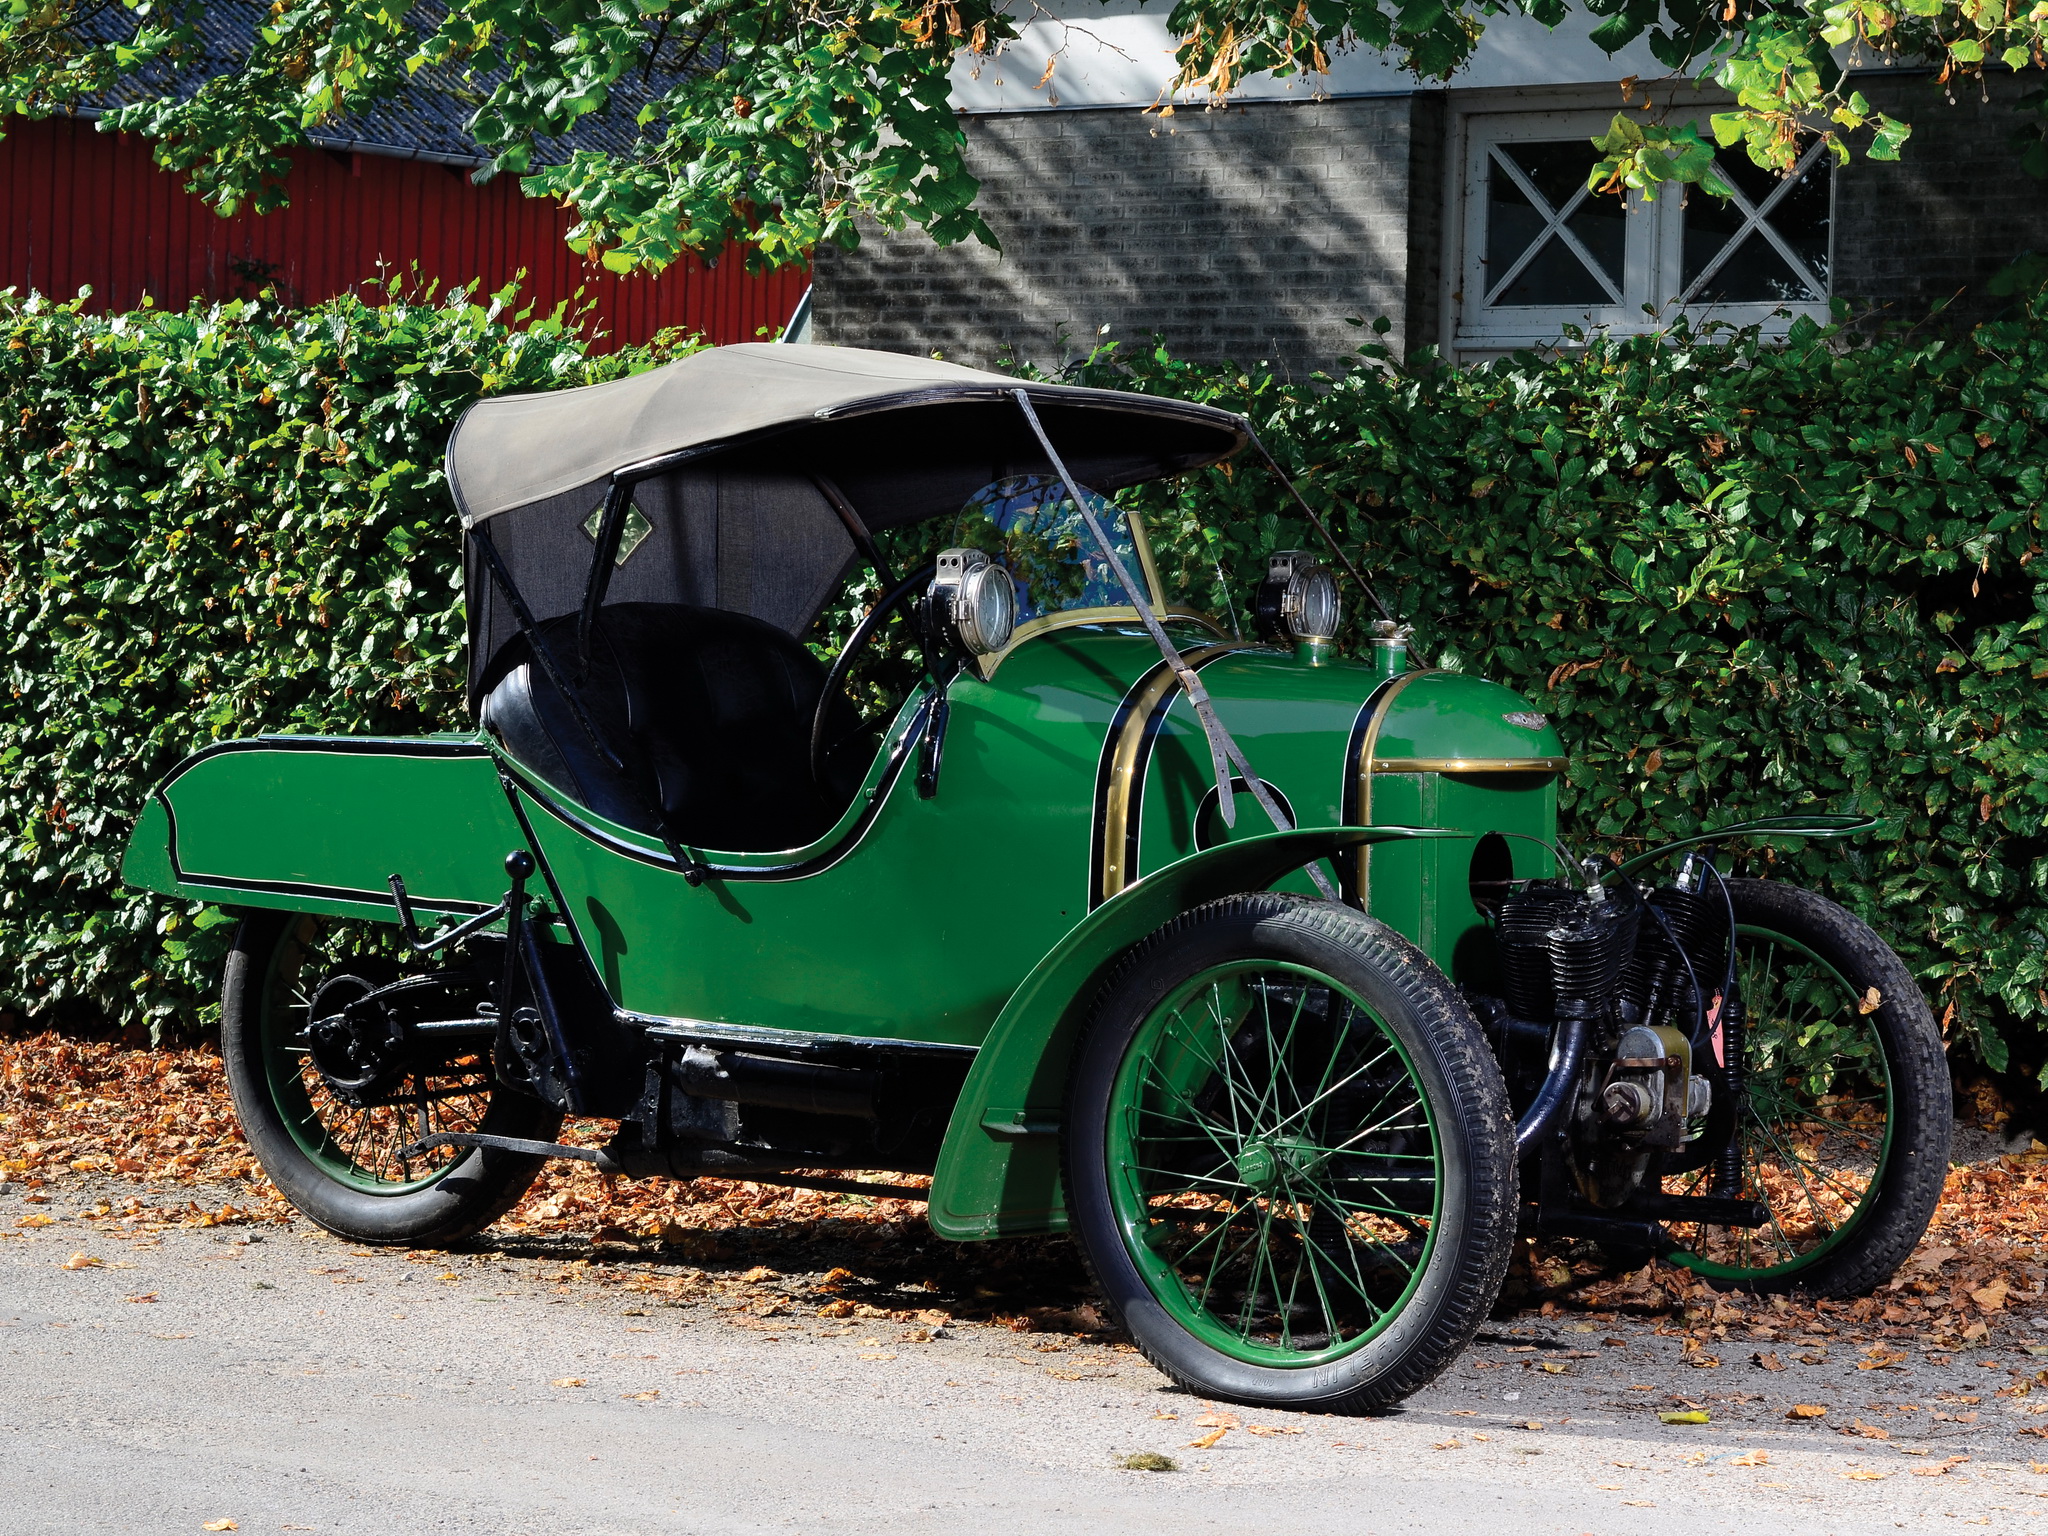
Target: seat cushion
[{"x": 710, "y": 710}]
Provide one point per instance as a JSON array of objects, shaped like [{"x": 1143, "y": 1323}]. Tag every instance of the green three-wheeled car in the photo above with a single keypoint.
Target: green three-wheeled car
[{"x": 1258, "y": 969}]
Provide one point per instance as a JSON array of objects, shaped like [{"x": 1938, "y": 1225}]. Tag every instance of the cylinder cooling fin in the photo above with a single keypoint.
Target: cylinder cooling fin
[{"x": 1563, "y": 951}]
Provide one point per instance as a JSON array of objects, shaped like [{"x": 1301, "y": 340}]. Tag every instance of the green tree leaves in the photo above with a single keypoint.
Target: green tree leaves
[
  {"x": 768, "y": 125},
  {"x": 780, "y": 127}
]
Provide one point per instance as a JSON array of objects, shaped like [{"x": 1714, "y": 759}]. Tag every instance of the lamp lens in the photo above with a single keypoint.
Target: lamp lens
[
  {"x": 1316, "y": 608},
  {"x": 987, "y": 609}
]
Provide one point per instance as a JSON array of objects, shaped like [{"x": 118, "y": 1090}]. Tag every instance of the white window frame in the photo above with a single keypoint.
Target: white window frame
[{"x": 1654, "y": 254}]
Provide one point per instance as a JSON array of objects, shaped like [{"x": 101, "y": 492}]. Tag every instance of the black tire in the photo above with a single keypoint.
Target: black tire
[
  {"x": 1459, "y": 1258},
  {"x": 459, "y": 1192},
  {"x": 1891, "y": 1159}
]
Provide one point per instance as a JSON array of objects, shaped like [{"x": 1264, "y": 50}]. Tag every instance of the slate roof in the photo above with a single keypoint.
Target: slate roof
[{"x": 428, "y": 121}]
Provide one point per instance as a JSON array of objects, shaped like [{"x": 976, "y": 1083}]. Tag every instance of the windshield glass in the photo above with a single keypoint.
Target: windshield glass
[{"x": 1029, "y": 525}]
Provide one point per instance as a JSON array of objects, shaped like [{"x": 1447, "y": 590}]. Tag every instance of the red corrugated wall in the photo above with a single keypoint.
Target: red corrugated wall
[{"x": 79, "y": 207}]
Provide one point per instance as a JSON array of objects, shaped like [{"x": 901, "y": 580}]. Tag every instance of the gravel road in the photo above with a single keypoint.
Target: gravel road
[{"x": 284, "y": 1380}]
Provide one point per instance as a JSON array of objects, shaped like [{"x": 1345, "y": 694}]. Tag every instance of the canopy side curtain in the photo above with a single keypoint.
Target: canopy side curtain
[{"x": 744, "y": 540}]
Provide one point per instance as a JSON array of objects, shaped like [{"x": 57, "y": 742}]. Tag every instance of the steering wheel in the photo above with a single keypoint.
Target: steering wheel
[{"x": 835, "y": 680}]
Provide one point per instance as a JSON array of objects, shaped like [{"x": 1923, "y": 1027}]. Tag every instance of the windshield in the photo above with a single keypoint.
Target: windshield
[{"x": 1029, "y": 525}]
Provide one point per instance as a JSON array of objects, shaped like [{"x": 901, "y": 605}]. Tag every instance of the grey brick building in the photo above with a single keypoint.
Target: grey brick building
[{"x": 1264, "y": 229}]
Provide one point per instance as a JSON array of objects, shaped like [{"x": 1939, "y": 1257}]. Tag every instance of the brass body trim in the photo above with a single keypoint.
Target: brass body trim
[
  {"x": 1365, "y": 772},
  {"x": 1469, "y": 764},
  {"x": 1074, "y": 618},
  {"x": 1126, "y": 753},
  {"x": 1142, "y": 544}
]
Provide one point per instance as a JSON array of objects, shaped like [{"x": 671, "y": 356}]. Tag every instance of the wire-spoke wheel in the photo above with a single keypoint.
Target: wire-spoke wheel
[
  {"x": 1844, "y": 1126},
  {"x": 1290, "y": 1159},
  {"x": 344, "y": 1156}
]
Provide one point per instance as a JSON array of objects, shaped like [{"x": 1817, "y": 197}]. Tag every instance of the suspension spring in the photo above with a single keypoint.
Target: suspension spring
[{"x": 1735, "y": 1084}]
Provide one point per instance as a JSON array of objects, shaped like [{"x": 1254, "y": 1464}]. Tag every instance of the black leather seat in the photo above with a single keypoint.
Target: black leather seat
[{"x": 711, "y": 712}]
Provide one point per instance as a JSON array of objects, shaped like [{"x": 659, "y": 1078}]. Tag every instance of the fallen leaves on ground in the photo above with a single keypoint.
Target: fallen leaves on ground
[
  {"x": 1684, "y": 1416},
  {"x": 160, "y": 1120},
  {"x": 1806, "y": 1411},
  {"x": 568, "y": 1381},
  {"x": 1943, "y": 1470},
  {"x": 84, "y": 1106},
  {"x": 82, "y": 1261}
]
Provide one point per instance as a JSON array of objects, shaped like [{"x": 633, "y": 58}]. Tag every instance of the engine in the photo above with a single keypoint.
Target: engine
[{"x": 1631, "y": 981}]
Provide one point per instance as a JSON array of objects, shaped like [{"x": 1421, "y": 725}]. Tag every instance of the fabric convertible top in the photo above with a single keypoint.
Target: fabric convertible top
[
  {"x": 750, "y": 468},
  {"x": 516, "y": 450}
]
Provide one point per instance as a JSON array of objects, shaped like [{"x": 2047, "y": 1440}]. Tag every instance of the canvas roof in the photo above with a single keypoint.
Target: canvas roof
[{"x": 517, "y": 450}]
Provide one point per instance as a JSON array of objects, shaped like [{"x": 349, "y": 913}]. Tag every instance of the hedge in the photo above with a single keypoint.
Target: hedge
[
  {"x": 1744, "y": 578},
  {"x": 219, "y": 521}
]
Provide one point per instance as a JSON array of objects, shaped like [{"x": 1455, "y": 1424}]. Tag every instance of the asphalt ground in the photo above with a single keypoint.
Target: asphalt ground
[{"x": 160, "y": 1379}]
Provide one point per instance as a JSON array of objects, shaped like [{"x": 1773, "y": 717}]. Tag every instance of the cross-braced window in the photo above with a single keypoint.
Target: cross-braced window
[
  {"x": 1541, "y": 251},
  {"x": 1767, "y": 244}
]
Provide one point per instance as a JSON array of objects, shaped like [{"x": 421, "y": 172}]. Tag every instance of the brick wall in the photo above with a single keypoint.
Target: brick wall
[
  {"x": 1256, "y": 232},
  {"x": 1251, "y": 232},
  {"x": 1950, "y": 212}
]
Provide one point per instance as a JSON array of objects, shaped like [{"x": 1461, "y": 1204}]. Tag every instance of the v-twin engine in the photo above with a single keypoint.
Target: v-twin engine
[{"x": 1630, "y": 983}]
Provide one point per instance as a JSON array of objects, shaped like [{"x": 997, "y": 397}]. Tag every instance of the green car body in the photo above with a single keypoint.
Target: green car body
[{"x": 1071, "y": 782}]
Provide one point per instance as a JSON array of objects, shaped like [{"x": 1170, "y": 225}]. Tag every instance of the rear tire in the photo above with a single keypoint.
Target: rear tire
[
  {"x": 313, "y": 1146},
  {"x": 1290, "y": 1158},
  {"x": 1848, "y": 1115}
]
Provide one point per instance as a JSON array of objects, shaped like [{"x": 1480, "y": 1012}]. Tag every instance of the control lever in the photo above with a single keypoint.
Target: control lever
[{"x": 409, "y": 927}]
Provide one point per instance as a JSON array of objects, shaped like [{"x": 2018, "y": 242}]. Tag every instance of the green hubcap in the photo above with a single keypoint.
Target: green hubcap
[
  {"x": 1274, "y": 1164},
  {"x": 1259, "y": 1167},
  {"x": 1816, "y": 1125},
  {"x": 1267, "y": 1166}
]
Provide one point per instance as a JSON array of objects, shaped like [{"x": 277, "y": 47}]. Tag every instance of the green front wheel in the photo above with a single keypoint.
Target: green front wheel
[{"x": 1290, "y": 1158}]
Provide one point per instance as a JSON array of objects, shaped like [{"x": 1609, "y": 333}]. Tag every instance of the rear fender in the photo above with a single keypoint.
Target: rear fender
[
  {"x": 999, "y": 1170},
  {"x": 319, "y": 823}
]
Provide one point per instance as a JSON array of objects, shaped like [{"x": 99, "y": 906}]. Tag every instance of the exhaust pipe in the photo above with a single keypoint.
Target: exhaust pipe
[{"x": 773, "y": 1082}]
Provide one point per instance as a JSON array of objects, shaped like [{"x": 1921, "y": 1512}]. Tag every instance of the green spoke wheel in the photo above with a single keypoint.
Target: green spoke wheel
[
  {"x": 1290, "y": 1160},
  {"x": 1844, "y": 1125},
  {"x": 343, "y": 1157}
]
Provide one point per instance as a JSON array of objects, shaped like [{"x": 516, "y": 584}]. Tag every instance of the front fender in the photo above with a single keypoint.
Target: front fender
[{"x": 999, "y": 1170}]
